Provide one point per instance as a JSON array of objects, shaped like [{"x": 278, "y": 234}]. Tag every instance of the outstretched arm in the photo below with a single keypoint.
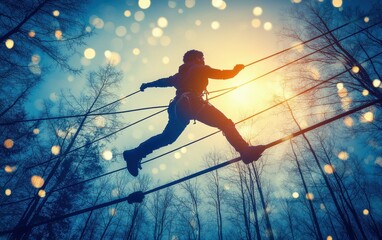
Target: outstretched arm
[
  {"x": 163, "y": 82},
  {"x": 224, "y": 74}
]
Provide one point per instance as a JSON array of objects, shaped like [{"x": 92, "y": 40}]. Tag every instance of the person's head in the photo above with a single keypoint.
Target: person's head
[{"x": 193, "y": 56}]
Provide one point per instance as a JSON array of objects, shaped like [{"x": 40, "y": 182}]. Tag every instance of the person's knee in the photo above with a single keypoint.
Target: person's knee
[
  {"x": 171, "y": 138},
  {"x": 226, "y": 125}
]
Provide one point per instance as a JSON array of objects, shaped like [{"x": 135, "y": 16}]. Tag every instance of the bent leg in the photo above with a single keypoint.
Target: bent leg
[{"x": 211, "y": 116}]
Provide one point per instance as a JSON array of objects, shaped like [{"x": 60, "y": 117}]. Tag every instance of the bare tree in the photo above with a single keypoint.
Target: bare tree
[
  {"x": 72, "y": 140},
  {"x": 189, "y": 208},
  {"x": 160, "y": 206}
]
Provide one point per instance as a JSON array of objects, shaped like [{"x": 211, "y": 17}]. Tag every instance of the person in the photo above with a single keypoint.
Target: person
[{"x": 191, "y": 82}]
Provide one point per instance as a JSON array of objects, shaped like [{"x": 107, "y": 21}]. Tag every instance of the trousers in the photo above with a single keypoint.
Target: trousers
[{"x": 184, "y": 108}]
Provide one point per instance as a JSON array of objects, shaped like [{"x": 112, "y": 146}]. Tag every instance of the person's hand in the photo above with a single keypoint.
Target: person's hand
[
  {"x": 143, "y": 87},
  {"x": 238, "y": 67}
]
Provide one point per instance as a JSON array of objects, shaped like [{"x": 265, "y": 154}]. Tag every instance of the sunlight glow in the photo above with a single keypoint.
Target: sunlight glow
[
  {"x": 100, "y": 121},
  {"x": 41, "y": 193},
  {"x": 256, "y": 23},
  {"x": 36, "y": 59},
  {"x": 340, "y": 86},
  {"x": 367, "y": 117},
  {"x": 144, "y": 4},
  {"x": 56, "y": 150},
  {"x": 343, "y": 92},
  {"x": 346, "y": 102},
  {"x": 309, "y": 196},
  {"x": 8, "y": 192},
  {"x": 365, "y": 92},
  {"x": 220, "y": 4},
  {"x": 107, "y": 155},
  {"x": 120, "y": 31},
  {"x": 113, "y": 211},
  {"x": 268, "y": 26},
  {"x": 98, "y": 23},
  {"x": 355, "y": 69},
  {"x": 378, "y": 161},
  {"x": 58, "y": 34},
  {"x": 9, "y": 169},
  {"x": 337, "y": 3},
  {"x": 37, "y": 181},
  {"x": 329, "y": 169},
  {"x": 127, "y": 13},
  {"x": 329, "y": 237},
  {"x": 215, "y": 25},
  {"x": 322, "y": 207},
  {"x": 365, "y": 212},
  {"x": 166, "y": 60},
  {"x": 154, "y": 171},
  {"x": 177, "y": 155},
  {"x": 162, "y": 22},
  {"x": 115, "y": 192},
  {"x": 56, "y": 13},
  {"x": 113, "y": 58},
  {"x": 376, "y": 83},
  {"x": 257, "y": 11},
  {"x": 162, "y": 166},
  {"x": 366, "y": 19},
  {"x": 348, "y": 121},
  {"x": 32, "y": 33},
  {"x": 157, "y": 32},
  {"x": 136, "y": 51},
  {"x": 139, "y": 16},
  {"x": 343, "y": 155},
  {"x": 295, "y": 195},
  {"x": 9, "y": 43},
  {"x": 89, "y": 53},
  {"x": 8, "y": 143},
  {"x": 183, "y": 150},
  {"x": 189, "y": 3}
]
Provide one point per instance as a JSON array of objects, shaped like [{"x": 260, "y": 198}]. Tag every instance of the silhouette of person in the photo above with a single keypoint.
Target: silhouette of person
[{"x": 190, "y": 83}]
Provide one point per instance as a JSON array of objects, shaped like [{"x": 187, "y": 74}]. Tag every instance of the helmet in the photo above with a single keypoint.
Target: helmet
[{"x": 191, "y": 55}]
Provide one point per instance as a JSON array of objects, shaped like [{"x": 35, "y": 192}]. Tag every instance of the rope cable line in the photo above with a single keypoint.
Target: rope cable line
[
  {"x": 139, "y": 194},
  {"x": 209, "y": 135},
  {"x": 132, "y": 94},
  {"x": 232, "y": 89},
  {"x": 83, "y": 115},
  {"x": 227, "y": 90},
  {"x": 137, "y": 197}
]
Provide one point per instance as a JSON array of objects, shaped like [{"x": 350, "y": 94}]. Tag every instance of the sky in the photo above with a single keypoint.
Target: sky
[{"x": 147, "y": 40}]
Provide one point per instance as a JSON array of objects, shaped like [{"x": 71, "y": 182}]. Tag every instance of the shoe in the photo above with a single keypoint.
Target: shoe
[
  {"x": 133, "y": 161},
  {"x": 252, "y": 153}
]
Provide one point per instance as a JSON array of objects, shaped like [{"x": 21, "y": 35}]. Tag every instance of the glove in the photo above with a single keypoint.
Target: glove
[
  {"x": 238, "y": 67},
  {"x": 143, "y": 87}
]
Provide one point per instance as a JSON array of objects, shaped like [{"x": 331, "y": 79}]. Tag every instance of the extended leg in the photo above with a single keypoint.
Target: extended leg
[{"x": 171, "y": 132}]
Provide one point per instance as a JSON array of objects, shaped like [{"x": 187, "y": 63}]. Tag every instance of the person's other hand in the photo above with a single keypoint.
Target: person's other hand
[
  {"x": 239, "y": 67},
  {"x": 143, "y": 87}
]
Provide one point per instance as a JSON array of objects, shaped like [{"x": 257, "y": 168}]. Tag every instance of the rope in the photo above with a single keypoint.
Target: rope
[
  {"x": 227, "y": 90},
  {"x": 137, "y": 197},
  {"x": 82, "y": 115},
  {"x": 274, "y": 70},
  {"x": 97, "y": 140},
  {"x": 305, "y": 42},
  {"x": 207, "y": 136},
  {"x": 131, "y": 94}
]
